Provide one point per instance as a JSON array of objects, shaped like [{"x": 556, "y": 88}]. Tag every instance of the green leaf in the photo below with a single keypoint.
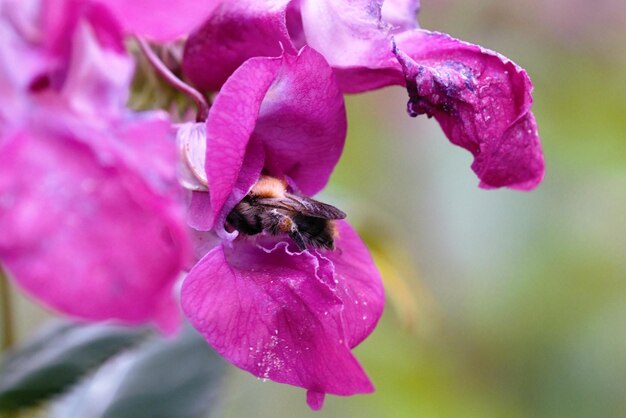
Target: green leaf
[
  {"x": 56, "y": 358},
  {"x": 162, "y": 378}
]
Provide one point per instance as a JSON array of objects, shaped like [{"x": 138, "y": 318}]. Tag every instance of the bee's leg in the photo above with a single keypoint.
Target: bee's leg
[
  {"x": 285, "y": 225},
  {"x": 297, "y": 237}
]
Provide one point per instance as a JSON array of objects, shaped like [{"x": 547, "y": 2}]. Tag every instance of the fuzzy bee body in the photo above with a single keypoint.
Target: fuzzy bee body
[{"x": 270, "y": 208}]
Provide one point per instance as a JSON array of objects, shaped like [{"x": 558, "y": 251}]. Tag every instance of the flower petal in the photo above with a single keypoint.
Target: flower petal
[
  {"x": 230, "y": 124},
  {"x": 72, "y": 47},
  {"x": 376, "y": 70},
  {"x": 90, "y": 220},
  {"x": 160, "y": 20},
  {"x": 401, "y": 15},
  {"x": 359, "y": 284},
  {"x": 351, "y": 35},
  {"x": 302, "y": 122},
  {"x": 84, "y": 232},
  {"x": 354, "y": 37},
  {"x": 236, "y": 31},
  {"x": 284, "y": 115},
  {"x": 288, "y": 316},
  {"x": 343, "y": 31},
  {"x": 54, "y": 27},
  {"x": 97, "y": 78},
  {"x": 199, "y": 214},
  {"x": 315, "y": 399},
  {"x": 14, "y": 79},
  {"x": 482, "y": 101},
  {"x": 191, "y": 143}
]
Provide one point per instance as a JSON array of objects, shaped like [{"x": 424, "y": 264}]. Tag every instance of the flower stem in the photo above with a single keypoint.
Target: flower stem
[
  {"x": 6, "y": 308},
  {"x": 201, "y": 103}
]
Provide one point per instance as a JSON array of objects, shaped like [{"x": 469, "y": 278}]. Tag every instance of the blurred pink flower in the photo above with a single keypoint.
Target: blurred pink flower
[
  {"x": 90, "y": 222},
  {"x": 160, "y": 20}
]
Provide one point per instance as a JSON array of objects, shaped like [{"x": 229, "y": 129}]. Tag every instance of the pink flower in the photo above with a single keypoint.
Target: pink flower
[
  {"x": 90, "y": 222},
  {"x": 279, "y": 313},
  {"x": 481, "y": 99}
]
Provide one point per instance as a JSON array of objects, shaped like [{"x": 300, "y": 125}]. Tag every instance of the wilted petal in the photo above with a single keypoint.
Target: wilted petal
[
  {"x": 284, "y": 115},
  {"x": 161, "y": 20},
  {"x": 84, "y": 232},
  {"x": 236, "y": 31},
  {"x": 288, "y": 316},
  {"x": 482, "y": 101}
]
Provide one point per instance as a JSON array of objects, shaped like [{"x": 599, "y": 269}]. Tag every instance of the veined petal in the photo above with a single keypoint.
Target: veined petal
[
  {"x": 236, "y": 31},
  {"x": 481, "y": 100},
  {"x": 84, "y": 232},
  {"x": 283, "y": 115},
  {"x": 287, "y": 316},
  {"x": 230, "y": 124},
  {"x": 302, "y": 122},
  {"x": 199, "y": 214}
]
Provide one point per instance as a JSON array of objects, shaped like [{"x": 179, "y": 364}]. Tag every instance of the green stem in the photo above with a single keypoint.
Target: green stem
[
  {"x": 202, "y": 105},
  {"x": 6, "y": 308}
]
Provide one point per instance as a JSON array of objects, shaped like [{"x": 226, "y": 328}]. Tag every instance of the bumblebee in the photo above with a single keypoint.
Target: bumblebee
[{"x": 269, "y": 208}]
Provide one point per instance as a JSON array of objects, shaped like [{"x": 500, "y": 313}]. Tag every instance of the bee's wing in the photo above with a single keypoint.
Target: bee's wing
[{"x": 303, "y": 205}]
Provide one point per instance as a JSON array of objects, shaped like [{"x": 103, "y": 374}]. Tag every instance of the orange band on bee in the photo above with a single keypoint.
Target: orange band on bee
[{"x": 270, "y": 187}]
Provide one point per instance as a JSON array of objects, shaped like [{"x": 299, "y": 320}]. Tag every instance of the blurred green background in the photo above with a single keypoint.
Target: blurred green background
[{"x": 518, "y": 304}]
